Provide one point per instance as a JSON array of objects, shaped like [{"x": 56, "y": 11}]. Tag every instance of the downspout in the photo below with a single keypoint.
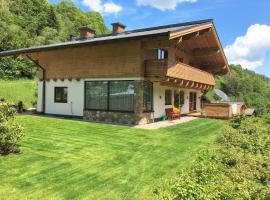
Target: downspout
[{"x": 44, "y": 83}]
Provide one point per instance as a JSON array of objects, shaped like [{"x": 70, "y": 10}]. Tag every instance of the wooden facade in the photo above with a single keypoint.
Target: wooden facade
[
  {"x": 194, "y": 57},
  {"x": 110, "y": 59}
]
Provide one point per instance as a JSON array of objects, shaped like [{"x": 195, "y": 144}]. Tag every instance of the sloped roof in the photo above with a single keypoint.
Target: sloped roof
[{"x": 158, "y": 30}]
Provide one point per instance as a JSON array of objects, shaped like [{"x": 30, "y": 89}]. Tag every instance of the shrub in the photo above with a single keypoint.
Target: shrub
[
  {"x": 10, "y": 132},
  {"x": 238, "y": 169},
  {"x": 236, "y": 121},
  {"x": 20, "y": 106}
]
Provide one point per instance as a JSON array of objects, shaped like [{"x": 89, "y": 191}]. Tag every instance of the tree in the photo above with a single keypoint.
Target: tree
[{"x": 25, "y": 23}]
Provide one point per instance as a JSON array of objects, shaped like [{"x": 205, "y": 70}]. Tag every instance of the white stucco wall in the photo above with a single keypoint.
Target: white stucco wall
[
  {"x": 159, "y": 100},
  {"x": 76, "y": 98},
  {"x": 74, "y": 106}
]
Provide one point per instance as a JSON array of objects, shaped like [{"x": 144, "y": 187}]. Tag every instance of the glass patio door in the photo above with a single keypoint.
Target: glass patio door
[{"x": 192, "y": 101}]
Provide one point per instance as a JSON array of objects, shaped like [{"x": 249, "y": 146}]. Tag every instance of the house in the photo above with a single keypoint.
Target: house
[{"x": 128, "y": 77}]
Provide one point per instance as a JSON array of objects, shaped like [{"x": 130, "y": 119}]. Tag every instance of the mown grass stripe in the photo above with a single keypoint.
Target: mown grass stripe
[{"x": 65, "y": 159}]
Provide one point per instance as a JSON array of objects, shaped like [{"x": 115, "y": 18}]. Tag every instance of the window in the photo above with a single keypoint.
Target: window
[
  {"x": 96, "y": 95},
  {"x": 121, "y": 96},
  {"x": 182, "y": 98},
  {"x": 147, "y": 96},
  {"x": 109, "y": 95},
  {"x": 162, "y": 54},
  {"x": 176, "y": 99},
  {"x": 60, "y": 94},
  {"x": 168, "y": 97}
]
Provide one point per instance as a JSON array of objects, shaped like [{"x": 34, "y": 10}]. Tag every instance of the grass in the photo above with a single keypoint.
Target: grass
[
  {"x": 14, "y": 91},
  {"x": 64, "y": 159}
]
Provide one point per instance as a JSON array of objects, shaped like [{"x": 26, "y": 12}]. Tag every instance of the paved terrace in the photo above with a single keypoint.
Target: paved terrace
[{"x": 166, "y": 123}]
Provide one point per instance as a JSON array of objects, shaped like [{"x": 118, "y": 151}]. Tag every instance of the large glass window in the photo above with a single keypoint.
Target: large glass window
[
  {"x": 109, "y": 95},
  {"x": 96, "y": 95},
  {"x": 121, "y": 96},
  {"x": 60, "y": 94},
  {"x": 147, "y": 96},
  {"x": 168, "y": 97}
]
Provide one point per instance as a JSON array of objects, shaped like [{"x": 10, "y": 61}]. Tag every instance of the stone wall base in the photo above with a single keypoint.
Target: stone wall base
[{"x": 118, "y": 117}]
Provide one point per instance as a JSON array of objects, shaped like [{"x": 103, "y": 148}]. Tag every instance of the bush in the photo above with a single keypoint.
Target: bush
[
  {"x": 20, "y": 106},
  {"x": 238, "y": 169},
  {"x": 236, "y": 121},
  {"x": 10, "y": 132}
]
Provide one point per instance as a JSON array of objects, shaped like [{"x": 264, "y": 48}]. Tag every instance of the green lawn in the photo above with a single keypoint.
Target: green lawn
[
  {"x": 64, "y": 159},
  {"x": 14, "y": 91}
]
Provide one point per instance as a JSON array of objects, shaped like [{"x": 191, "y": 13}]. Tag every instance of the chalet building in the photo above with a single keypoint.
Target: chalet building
[{"x": 131, "y": 77}]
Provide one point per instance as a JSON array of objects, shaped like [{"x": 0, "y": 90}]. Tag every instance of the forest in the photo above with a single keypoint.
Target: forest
[{"x": 25, "y": 23}]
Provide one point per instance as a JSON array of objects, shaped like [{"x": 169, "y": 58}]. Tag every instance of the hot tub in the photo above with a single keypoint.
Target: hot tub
[{"x": 223, "y": 110}]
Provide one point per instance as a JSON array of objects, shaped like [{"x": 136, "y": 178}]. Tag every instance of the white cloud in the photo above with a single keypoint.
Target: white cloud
[
  {"x": 111, "y": 7},
  {"x": 163, "y": 4},
  {"x": 250, "y": 50},
  {"x": 104, "y": 8}
]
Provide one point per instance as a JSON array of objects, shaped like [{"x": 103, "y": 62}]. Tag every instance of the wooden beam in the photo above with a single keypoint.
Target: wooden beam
[
  {"x": 191, "y": 35},
  {"x": 208, "y": 67},
  {"x": 179, "y": 40},
  {"x": 201, "y": 52},
  {"x": 179, "y": 33},
  {"x": 169, "y": 84},
  {"x": 182, "y": 83}
]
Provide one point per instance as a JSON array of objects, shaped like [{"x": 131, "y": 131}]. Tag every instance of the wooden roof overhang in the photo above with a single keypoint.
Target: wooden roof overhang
[{"x": 203, "y": 45}]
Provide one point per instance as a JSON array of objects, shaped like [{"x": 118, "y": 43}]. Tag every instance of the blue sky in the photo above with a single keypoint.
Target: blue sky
[{"x": 243, "y": 25}]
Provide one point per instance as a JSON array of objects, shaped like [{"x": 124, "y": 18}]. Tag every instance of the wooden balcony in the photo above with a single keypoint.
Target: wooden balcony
[
  {"x": 156, "y": 68},
  {"x": 179, "y": 73}
]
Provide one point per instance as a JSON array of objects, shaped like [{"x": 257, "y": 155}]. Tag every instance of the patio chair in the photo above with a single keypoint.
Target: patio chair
[{"x": 173, "y": 113}]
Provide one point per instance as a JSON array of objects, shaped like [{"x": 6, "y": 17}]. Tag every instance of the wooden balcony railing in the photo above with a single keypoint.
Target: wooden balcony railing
[
  {"x": 187, "y": 72},
  {"x": 181, "y": 71},
  {"x": 156, "y": 68}
]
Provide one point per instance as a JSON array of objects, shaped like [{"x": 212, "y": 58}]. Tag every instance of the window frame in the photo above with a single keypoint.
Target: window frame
[
  {"x": 171, "y": 99},
  {"x": 93, "y": 109},
  {"x": 152, "y": 99},
  {"x": 108, "y": 97},
  {"x": 182, "y": 103},
  {"x": 109, "y": 93},
  {"x": 162, "y": 54},
  {"x": 60, "y": 101}
]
